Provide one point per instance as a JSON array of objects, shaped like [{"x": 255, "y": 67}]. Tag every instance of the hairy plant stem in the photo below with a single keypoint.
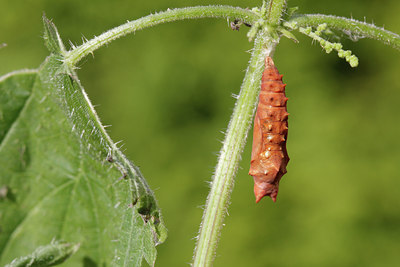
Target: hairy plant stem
[
  {"x": 353, "y": 28},
  {"x": 76, "y": 54},
  {"x": 235, "y": 139}
]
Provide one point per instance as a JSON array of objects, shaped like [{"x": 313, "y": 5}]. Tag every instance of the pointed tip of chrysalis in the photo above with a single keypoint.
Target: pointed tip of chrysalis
[
  {"x": 269, "y": 62},
  {"x": 262, "y": 190},
  {"x": 273, "y": 196},
  {"x": 258, "y": 198}
]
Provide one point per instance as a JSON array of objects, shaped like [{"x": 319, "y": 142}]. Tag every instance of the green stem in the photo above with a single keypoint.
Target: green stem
[
  {"x": 75, "y": 55},
  {"x": 355, "y": 29},
  {"x": 229, "y": 158},
  {"x": 274, "y": 12},
  {"x": 235, "y": 140}
]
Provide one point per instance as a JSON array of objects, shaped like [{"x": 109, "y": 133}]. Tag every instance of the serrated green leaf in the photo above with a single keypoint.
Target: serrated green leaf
[
  {"x": 49, "y": 255},
  {"x": 62, "y": 177}
]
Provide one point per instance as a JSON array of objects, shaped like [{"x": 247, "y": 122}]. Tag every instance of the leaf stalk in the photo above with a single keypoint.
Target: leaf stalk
[{"x": 76, "y": 54}]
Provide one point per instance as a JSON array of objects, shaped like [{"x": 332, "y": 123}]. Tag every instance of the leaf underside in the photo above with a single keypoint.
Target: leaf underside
[{"x": 61, "y": 176}]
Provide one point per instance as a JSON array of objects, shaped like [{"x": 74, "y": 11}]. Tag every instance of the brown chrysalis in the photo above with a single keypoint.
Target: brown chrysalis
[{"x": 269, "y": 156}]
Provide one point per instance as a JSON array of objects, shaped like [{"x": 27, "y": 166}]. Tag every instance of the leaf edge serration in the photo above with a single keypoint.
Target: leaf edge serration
[{"x": 143, "y": 199}]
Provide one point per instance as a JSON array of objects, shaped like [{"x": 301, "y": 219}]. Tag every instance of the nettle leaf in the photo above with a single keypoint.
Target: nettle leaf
[{"x": 62, "y": 177}]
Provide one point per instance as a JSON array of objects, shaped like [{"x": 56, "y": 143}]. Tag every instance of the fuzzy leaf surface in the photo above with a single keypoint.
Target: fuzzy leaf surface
[{"x": 61, "y": 176}]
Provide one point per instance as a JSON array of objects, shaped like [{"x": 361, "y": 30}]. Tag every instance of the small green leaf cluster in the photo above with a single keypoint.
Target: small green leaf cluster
[
  {"x": 327, "y": 45},
  {"x": 322, "y": 30},
  {"x": 260, "y": 23}
]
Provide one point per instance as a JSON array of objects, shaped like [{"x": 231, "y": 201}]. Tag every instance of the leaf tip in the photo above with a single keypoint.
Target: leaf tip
[{"x": 52, "y": 39}]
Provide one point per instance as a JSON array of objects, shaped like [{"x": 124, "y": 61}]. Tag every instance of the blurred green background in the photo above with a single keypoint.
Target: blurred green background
[{"x": 167, "y": 92}]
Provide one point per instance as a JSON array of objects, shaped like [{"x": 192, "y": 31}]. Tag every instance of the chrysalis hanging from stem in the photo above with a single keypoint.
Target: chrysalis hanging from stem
[{"x": 269, "y": 157}]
